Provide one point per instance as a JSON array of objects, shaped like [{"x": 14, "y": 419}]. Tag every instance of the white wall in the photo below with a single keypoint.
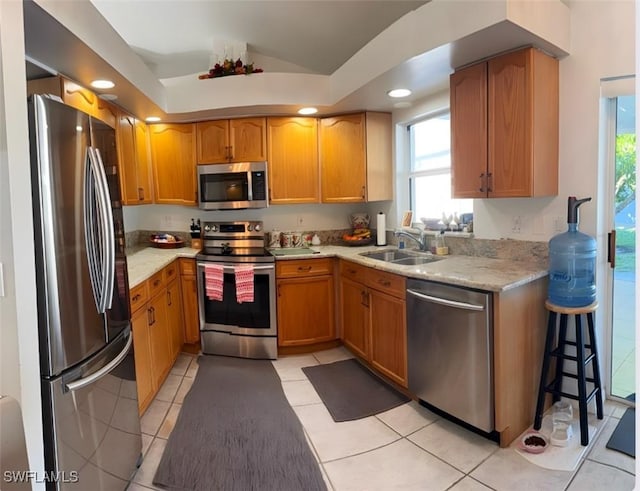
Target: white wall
[
  {"x": 303, "y": 218},
  {"x": 19, "y": 360}
]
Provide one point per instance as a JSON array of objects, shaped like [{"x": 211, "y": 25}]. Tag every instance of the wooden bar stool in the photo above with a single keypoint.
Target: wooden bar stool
[{"x": 559, "y": 352}]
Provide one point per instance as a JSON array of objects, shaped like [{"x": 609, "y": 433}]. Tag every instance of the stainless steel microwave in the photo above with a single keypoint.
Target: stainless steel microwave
[{"x": 233, "y": 186}]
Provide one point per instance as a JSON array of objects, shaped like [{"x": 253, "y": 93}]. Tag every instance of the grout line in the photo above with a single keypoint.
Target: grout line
[{"x": 363, "y": 452}]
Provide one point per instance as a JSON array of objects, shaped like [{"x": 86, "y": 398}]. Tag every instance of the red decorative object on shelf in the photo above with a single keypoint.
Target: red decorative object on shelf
[{"x": 230, "y": 67}]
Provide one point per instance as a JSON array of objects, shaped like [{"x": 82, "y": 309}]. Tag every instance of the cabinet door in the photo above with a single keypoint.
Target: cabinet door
[
  {"x": 125, "y": 134},
  {"x": 213, "y": 142},
  {"x": 523, "y": 115},
  {"x": 354, "y": 314},
  {"x": 388, "y": 335},
  {"x": 174, "y": 317},
  {"x": 142, "y": 357},
  {"x": 509, "y": 114},
  {"x": 305, "y": 310},
  {"x": 248, "y": 139},
  {"x": 160, "y": 340},
  {"x": 342, "y": 159},
  {"x": 469, "y": 132},
  {"x": 143, "y": 161},
  {"x": 190, "y": 307},
  {"x": 173, "y": 157},
  {"x": 294, "y": 174}
]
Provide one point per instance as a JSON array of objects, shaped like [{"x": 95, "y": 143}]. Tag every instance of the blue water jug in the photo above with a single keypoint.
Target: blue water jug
[{"x": 572, "y": 263}]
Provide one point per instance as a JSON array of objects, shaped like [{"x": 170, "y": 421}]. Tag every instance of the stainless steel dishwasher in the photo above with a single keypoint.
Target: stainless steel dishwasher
[{"x": 450, "y": 354}]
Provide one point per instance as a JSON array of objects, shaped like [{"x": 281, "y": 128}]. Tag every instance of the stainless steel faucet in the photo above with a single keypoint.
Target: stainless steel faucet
[{"x": 422, "y": 241}]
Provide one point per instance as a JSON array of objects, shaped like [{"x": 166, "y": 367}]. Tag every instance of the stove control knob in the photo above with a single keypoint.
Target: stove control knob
[
  {"x": 250, "y": 227},
  {"x": 257, "y": 227},
  {"x": 214, "y": 228},
  {"x": 207, "y": 228}
]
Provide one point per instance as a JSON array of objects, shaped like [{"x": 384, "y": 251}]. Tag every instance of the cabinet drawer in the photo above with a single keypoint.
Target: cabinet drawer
[
  {"x": 171, "y": 272},
  {"x": 304, "y": 267},
  {"x": 138, "y": 296},
  {"x": 353, "y": 271},
  {"x": 390, "y": 283},
  {"x": 187, "y": 266},
  {"x": 155, "y": 283}
]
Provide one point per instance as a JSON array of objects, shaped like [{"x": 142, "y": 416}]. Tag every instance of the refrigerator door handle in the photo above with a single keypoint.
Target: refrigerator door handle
[
  {"x": 83, "y": 382},
  {"x": 99, "y": 218},
  {"x": 90, "y": 199},
  {"x": 109, "y": 236}
]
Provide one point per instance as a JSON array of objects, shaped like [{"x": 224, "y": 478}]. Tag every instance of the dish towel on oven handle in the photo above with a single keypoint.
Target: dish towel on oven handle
[
  {"x": 244, "y": 283},
  {"x": 213, "y": 281}
]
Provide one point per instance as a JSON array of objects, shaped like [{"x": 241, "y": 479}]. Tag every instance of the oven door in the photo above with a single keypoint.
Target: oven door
[{"x": 257, "y": 318}]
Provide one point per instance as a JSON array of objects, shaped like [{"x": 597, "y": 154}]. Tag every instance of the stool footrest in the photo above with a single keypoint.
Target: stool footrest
[
  {"x": 573, "y": 343},
  {"x": 549, "y": 388},
  {"x": 559, "y": 354}
]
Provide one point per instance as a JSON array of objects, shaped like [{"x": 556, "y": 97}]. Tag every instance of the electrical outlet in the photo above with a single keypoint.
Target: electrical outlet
[
  {"x": 299, "y": 221},
  {"x": 516, "y": 224},
  {"x": 559, "y": 224}
]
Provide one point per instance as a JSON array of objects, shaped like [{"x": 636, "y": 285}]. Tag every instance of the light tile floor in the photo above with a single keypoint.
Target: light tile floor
[{"x": 405, "y": 448}]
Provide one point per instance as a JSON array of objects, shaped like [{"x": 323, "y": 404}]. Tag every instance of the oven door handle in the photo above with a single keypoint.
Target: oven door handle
[{"x": 231, "y": 268}]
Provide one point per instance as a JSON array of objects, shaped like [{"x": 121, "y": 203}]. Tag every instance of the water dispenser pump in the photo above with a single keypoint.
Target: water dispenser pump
[{"x": 572, "y": 263}]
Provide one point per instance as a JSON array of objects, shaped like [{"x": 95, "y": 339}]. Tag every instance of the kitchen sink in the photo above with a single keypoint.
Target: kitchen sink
[
  {"x": 416, "y": 260},
  {"x": 401, "y": 258}
]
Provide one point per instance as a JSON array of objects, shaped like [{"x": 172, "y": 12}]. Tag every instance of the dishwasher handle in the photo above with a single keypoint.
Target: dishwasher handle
[{"x": 448, "y": 303}]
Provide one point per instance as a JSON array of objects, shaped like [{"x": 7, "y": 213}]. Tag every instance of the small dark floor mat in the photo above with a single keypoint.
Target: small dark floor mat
[
  {"x": 623, "y": 438},
  {"x": 350, "y": 391}
]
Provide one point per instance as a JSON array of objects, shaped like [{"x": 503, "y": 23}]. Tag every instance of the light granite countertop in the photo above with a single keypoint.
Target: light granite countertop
[
  {"x": 142, "y": 263},
  {"x": 489, "y": 274}
]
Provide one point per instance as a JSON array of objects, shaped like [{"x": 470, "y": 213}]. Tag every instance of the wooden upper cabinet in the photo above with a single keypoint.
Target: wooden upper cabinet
[
  {"x": 468, "y": 89},
  {"x": 505, "y": 127},
  {"x": 173, "y": 150},
  {"x": 77, "y": 96},
  {"x": 143, "y": 160},
  {"x": 234, "y": 140},
  {"x": 294, "y": 174},
  {"x": 355, "y": 158},
  {"x": 133, "y": 156}
]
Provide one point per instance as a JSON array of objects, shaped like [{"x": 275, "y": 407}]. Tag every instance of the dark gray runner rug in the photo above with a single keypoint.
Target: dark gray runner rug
[
  {"x": 623, "y": 438},
  {"x": 350, "y": 391},
  {"x": 236, "y": 431}
]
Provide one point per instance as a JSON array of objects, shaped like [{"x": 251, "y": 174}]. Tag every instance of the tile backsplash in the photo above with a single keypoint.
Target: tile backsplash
[{"x": 518, "y": 250}]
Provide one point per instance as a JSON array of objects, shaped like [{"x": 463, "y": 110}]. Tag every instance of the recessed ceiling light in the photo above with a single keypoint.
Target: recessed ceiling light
[
  {"x": 152, "y": 119},
  {"x": 102, "y": 84},
  {"x": 307, "y": 110},
  {"x": 399, "y": 93}
]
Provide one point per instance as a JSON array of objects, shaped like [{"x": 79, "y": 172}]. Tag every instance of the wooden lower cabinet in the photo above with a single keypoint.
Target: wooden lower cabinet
[
  {"x": 305, "y": 302},
  {"x": 142, "y": 357},
  {"x": 374, "y": 319},
  {"x": 175, "y": 317},
  {"x": 355, "y": 333},
  {"x": 189, "y": 287},
  {"x": 156, "y": 323},
  {"x": 388, "y": 335}
]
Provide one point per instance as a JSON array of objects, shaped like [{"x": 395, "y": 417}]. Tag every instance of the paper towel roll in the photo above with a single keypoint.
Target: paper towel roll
[{"x": 381, "y": 237}]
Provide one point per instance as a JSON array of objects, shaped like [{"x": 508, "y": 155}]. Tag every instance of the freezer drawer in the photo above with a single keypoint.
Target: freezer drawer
[
  {"x": 450, "y": 355},
  {"x": 92, "y": 432}
]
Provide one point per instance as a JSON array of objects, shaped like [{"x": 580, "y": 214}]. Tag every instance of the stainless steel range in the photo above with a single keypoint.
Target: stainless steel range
[{"x": 227, "y": 326}]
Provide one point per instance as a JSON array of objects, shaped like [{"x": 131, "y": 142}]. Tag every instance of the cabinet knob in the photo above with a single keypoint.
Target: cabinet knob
[
  {"x": 141, "y": 194},
  {"x": 304, "y": 268},
  {"x": 384, "y": 282},
  {"x": 489, "y": 183},
  {"x": 482, "y": 190}
]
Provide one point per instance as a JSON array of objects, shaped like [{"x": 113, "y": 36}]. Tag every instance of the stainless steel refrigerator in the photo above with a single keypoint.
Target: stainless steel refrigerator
[{"x": 90, "y": 408}]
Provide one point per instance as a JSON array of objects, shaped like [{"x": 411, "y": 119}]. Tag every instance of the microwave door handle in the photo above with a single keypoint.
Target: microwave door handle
[{"x": 250, "y": 185}]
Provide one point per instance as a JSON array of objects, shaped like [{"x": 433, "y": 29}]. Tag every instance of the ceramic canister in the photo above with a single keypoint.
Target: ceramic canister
[
  {"x": 296, "y": 239},
  {"x": 286, "y": 239},
  {"x": 274, "y": 239}
]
